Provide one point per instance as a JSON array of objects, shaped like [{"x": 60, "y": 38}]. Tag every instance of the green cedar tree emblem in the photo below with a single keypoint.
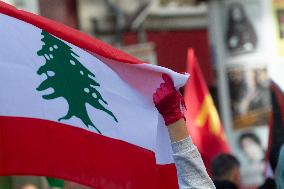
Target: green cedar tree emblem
[{"x": 70, "y": 80}]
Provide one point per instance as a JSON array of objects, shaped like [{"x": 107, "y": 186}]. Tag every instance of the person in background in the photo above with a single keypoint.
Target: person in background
[
  {"x": 190, "y": 167},
  {"x": 226, "y": 172}
]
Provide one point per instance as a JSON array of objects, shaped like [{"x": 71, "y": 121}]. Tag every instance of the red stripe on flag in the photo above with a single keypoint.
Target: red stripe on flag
[
  {"x": 168, "y": 174},
  {"x": 71, "y": 35},
  {"x": 44, "y": 148}
]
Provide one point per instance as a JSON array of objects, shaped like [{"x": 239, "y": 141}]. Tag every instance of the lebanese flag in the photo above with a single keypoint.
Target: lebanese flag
[
  {"x": 75, "y": 108},
  {"x": 202, "y": 118}
]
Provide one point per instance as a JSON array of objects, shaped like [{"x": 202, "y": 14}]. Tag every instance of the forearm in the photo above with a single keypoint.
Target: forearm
[
  {"x": 190, "y": 167},
  {"x": 178, "y": 131}
]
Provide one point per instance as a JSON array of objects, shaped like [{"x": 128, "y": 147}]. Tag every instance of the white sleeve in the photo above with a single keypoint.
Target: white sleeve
[{"x": 191, "y": 171}]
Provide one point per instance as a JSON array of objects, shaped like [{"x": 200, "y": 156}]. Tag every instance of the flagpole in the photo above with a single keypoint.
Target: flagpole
[{"x": 217, "y": 44}]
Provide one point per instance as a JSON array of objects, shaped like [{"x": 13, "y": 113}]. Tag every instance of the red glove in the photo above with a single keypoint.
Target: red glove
[{"x": 169, "y": 101}]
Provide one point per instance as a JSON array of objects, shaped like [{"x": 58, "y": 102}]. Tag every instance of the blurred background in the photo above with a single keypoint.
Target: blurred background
[{"x": 239, "y": 45}]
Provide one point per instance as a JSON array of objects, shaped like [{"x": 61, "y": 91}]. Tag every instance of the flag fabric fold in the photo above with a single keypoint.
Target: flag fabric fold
[
  {"x": 202, "y": 118},
  {"x": 65, "y": 93}
]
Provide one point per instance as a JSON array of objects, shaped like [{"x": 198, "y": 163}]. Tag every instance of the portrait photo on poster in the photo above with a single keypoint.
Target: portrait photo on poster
[
  {"x": 249, "y": 95},
  {"x": 251, "y": 144},
  {"x": 240, "y": 34},
  {"x": 242, "y": 23}
]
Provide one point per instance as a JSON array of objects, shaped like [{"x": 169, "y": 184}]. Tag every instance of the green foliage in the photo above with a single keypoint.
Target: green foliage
[{"x": 70, "y": 80}]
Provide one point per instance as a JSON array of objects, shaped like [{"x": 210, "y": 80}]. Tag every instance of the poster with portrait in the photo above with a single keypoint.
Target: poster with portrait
[
  {"x": 242, "y": 26},
  {"x": 244, "y": 39},
  {"x": 245, "y": 43},
  {"x": 249, "y": 95},
  {"x": 250, "y": 149}
]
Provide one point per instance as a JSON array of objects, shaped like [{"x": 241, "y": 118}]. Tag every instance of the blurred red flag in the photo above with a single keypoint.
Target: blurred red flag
[{"x": 202, "y": 117}]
